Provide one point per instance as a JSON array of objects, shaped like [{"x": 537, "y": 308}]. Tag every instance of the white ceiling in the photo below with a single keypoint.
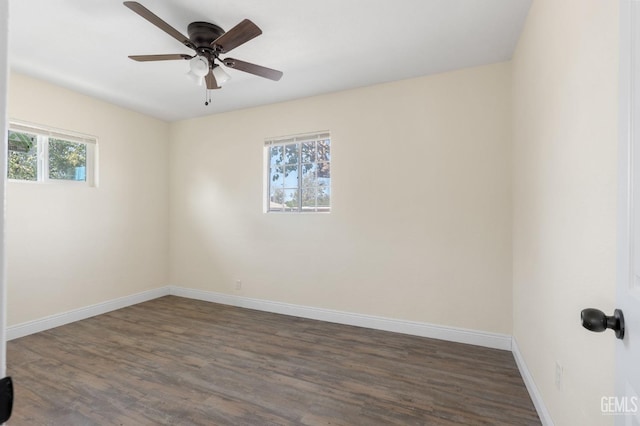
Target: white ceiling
[{"x": 321, "y": 46}]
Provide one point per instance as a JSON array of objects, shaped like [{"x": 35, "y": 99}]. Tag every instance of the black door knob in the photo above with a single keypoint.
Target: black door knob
[{"x": 596, "y": 320}]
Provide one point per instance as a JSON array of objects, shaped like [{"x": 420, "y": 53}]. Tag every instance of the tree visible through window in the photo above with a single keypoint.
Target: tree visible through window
[{"x": 300, "y": 174}]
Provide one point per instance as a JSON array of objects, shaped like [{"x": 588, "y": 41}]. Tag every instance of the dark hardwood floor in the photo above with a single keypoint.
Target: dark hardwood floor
[{"x": 177, "y": 361}]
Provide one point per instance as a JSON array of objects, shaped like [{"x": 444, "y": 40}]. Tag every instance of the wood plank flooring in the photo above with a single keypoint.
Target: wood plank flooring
[{"x": 175, "y": 361}]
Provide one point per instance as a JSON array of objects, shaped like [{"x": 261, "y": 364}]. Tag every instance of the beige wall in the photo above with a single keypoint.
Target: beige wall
[
  {"x": 565, "y": 147},
  {"x": 420, "y": 227},
  {"x": 69, "y": 247}
]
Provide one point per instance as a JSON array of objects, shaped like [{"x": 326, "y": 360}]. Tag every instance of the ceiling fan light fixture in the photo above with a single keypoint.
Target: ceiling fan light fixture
[
  {"x": 221, "y": 76},
  {"x": 195, "y": 78},
  {"x": 199, "y": 66}
]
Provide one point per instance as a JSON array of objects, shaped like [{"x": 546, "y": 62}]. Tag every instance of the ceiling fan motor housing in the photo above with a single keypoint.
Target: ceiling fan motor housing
[{"x": 202, "y": 34}]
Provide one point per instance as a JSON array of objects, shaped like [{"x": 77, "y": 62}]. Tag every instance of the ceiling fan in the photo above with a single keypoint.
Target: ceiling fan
[{"x": 208, "y": 41}]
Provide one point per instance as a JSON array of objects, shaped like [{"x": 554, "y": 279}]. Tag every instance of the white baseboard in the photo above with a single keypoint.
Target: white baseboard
[
  {"x": 534, "y": 393},
  {"x": 460, "y": 335},
  {"x": 52, "y": 321}
]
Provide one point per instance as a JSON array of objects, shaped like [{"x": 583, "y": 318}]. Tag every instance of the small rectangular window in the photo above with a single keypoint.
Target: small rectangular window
[
  {"x": 299, "y": 173},
  {"x": 44, "y": 155}
]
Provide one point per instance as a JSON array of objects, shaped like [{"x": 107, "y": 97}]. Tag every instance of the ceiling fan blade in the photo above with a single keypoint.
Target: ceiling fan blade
[
  {"x": 158, "y": 22},
  {"x": 170, "y": 57},
  {"x": 211, "y": 81},
  {"x": 258, "y": 70},
  {"x": 240, "y": 34}
]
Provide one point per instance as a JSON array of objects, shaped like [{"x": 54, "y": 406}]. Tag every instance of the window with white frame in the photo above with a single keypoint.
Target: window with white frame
[
  {"x": 299, "y": 173},
  {"x": 38, "y": 154}
]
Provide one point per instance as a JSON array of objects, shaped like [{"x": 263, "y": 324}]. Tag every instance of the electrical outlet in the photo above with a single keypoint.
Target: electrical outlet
[
  {"x": 559, "y": 375},
  {"x": 238, "y": 285}
]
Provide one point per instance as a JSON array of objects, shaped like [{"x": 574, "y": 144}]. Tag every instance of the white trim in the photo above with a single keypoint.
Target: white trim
[
  {"x": 534, "y": 393},
  {"x": 4, "y": 125},
  {"x": 627, "y": 379},
  {"x": 56, "y": 320},
  {"x": 453, "y": 334},
  {"x": 51, "y": 132},
  {"x": 299, "y": 138}
]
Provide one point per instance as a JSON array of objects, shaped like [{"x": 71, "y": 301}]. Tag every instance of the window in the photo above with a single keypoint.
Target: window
[
  {"x": 299, "y": 173},
  {"x": 41, "y": 155}
]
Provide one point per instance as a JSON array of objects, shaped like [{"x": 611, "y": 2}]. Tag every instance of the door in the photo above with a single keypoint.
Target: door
[{"x": 627, "y": 403}]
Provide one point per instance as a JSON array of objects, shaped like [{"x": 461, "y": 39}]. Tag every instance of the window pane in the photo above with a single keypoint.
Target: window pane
[
  {"x": 276, "y": 176},
  {"x": 308, "y": 152},
  {"x": 291, "y": 199},
  {"x": 309, "y": 175},
  {"x": 323, "y": 150},
  {"x": 308, "y": 199},
  {"x": 324, "y": 186},
  {"x": 275, "y": 155},
  {"x": 324, "y": 200},
  {"x": 291, "y": 176},
  {"x": 324, "y": 170},
  {"x": 67, "y": 160},
  {"x": 291, "y": 153},
  {"x": 22, "y": 161},
  {"x": 324, "y": 182},
  {"x": 276, "y": 199}
]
